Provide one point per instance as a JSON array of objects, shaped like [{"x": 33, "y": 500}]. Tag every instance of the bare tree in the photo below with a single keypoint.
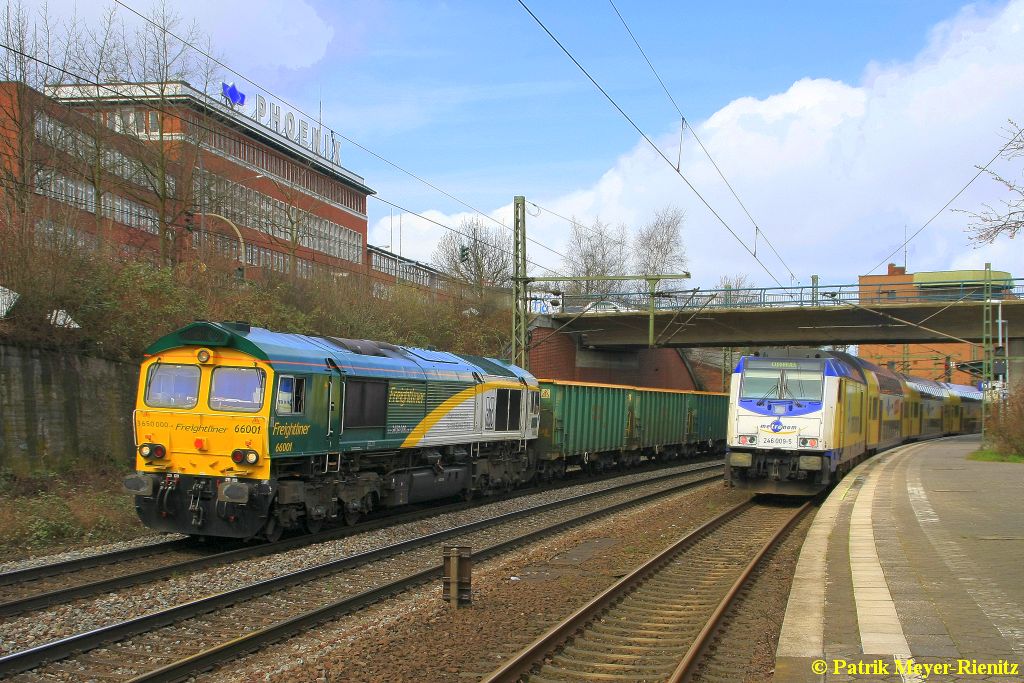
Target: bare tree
[
  {"x": 480, "y": 255},
  {"x": 736, "y": 290},
  {"x": 594, "y": 251},
  {"x": 658, "y": 247},
  {"x": 993, "y": 223},
  {"x": 158, "y": 54}
]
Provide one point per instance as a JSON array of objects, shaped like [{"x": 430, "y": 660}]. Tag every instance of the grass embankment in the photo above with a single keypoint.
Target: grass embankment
[
  {"x": 50, "y": 514},
  {"x": 995, "y": 456}
]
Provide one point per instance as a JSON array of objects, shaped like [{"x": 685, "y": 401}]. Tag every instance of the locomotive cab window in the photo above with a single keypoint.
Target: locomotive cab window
[
  {"x": 291, "y": 395},
  {"x": 507, "y": 410},
  {"x": 172, "y": 386},
  {"x": 238, "y": 389},
  {"x": 366, "y": 403}
]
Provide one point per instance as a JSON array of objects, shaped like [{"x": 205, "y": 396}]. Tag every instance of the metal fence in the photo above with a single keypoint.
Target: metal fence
[{"x": 787, "y": 297}]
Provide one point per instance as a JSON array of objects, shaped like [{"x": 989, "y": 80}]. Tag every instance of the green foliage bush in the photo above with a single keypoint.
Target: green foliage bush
[{"x": 123, "y": 304}]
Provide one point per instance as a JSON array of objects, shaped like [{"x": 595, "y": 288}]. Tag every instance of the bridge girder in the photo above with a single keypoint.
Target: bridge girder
[{"x": 804, "y": 326}]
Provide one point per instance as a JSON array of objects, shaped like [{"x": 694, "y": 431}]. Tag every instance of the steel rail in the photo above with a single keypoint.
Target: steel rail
[
  {"x": 89, "y": 561},
  {"x": 30, "y": 658},
  {"x": 63, "y": 595},
  {"x": 689, "y": 661},
  {"x": 524, "y": 660},
  {"x": 202, "y": 661}
]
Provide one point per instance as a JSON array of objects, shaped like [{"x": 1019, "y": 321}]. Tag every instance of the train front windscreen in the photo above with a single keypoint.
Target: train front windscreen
[{"x": 779, "y": 380}]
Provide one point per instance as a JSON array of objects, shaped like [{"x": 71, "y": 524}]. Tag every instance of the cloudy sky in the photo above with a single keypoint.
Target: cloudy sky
[{"x": 840, "y": 125}]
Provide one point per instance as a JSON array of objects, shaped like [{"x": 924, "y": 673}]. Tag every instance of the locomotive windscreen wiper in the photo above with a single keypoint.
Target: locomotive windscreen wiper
[
  {"x": 774, "y": 388},
  {"x": 786, "y": 390}
]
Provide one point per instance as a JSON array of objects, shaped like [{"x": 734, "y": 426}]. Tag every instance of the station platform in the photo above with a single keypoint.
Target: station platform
[{"x": 912, "y": 570}]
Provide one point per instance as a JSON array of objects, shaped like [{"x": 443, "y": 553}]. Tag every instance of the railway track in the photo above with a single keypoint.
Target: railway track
[
  {"x": 177, "y": 642},
  {"x": 39, "y": 587},
  {"x": 654, "y": 624}
]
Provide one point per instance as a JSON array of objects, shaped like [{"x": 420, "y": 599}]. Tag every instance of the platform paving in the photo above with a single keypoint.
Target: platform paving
[{"x": 917, "y": 555}]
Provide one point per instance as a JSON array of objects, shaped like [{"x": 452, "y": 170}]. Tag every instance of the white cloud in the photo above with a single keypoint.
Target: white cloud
[
  {"x": 262, "y": 34},
  {"x": 832, "y": 171},
  {"x": 253, "y": 34}
]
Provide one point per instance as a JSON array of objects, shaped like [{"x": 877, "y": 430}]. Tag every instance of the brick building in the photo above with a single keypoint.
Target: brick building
[
  {"x": 163, "y": 168},
  {"x": 937, "y": 361}
]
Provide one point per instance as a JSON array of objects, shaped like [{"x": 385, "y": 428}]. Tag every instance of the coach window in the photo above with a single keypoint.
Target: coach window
[
  {"x": 365, "y": 404},
  {"x": 237, "y": 389},
  {"x": 291, "y": 395},
  {"x": 172, "y": 386}
]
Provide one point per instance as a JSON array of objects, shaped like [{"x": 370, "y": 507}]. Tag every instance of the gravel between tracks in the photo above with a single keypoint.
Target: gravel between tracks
[
  {"x": 516, "y": 598},
  {"x": 41, "y": 560},
  {"x": 33, "y": 629},
  {"x": 751, "y": 627}
]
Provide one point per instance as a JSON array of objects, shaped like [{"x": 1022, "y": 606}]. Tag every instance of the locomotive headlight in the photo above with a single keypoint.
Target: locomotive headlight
[
  {"x": 747, "y": 440},
  {"x": 203, "y": 356},
  {"x": 251, "y": 457},
  {"x": 809, "y": 443},
  {"x": 238, "y": 456},
  {"x": 152, "y": 451},
  {"x": 810, "y": 462}
]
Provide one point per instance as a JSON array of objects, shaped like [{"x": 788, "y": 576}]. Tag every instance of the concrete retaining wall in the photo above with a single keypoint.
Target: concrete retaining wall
[{"x": 60, "y": 409}]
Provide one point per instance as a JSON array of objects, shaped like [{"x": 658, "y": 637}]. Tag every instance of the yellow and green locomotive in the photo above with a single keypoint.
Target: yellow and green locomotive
[{"x": 243, "y": 432}]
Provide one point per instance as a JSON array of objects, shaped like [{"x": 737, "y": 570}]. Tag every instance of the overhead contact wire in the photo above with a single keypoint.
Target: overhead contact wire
[
  {"x": 695, "y": 137},
  {"x": 644, "y": 135}
]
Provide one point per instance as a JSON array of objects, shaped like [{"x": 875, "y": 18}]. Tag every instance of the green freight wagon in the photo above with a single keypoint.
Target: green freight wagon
[{"x": 595, "y": 426}]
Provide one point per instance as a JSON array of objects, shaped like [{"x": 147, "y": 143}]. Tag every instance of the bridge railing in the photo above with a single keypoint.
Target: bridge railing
[{"x": 793, "y": 297}]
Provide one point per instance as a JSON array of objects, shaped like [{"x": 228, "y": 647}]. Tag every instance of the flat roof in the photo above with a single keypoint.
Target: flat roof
[
  {"x": 181, "y": 92},
  {"x": 1000, "y": 278}
]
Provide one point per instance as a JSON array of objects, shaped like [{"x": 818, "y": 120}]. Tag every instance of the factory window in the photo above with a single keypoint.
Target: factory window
[
  {"x": 291, "y": 395},
  {"x": 172, "y": 386},
  {"x": 365, "y": 403},
  {"x": 237, "y": 389}
]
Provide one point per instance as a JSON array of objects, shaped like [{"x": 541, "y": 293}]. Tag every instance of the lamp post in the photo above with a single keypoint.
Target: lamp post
[{"x": 241, "y": 240}]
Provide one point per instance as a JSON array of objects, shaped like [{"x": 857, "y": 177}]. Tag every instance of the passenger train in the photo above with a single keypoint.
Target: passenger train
[
  {"x": 799, "y": 421},
  {"x": 243, "y": 432}
]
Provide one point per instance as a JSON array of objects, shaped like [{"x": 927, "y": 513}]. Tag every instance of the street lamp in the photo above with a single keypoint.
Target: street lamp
[{"x": 241, "y": 240}]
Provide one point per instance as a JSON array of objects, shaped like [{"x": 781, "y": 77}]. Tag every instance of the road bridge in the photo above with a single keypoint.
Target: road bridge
[{"x": 806, "y": 316}]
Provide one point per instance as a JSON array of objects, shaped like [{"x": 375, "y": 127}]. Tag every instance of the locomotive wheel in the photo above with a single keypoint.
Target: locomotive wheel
[
  {"x": 273, "y": 530},
  {"x": 351, "y": 517},
  {"x": 313, "y": 526}
]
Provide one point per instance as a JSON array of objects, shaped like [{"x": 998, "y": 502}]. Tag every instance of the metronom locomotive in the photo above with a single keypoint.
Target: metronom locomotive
[
  {"x": 799, "y": 422},
  {"x": 242, "y": 432}
]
